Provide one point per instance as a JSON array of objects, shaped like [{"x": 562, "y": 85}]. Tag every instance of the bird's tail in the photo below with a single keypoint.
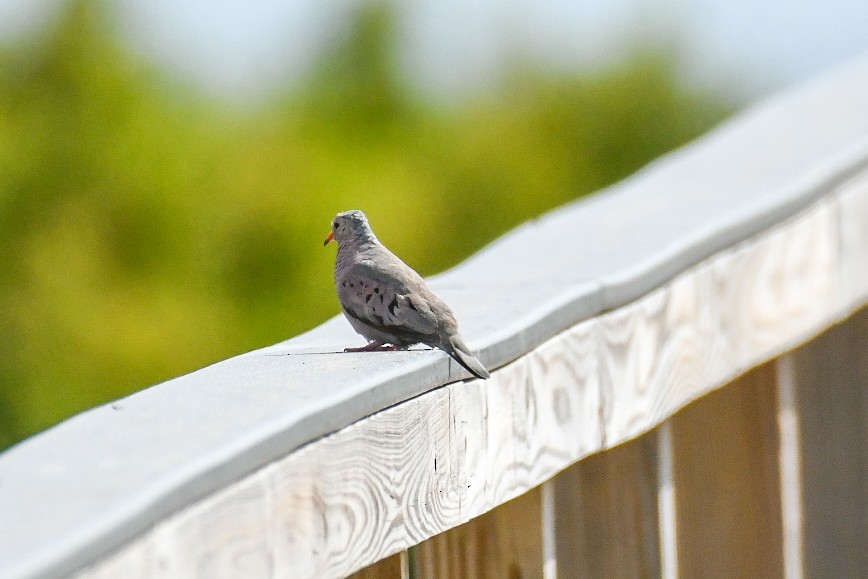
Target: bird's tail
[{"x": 461, "y": 353}]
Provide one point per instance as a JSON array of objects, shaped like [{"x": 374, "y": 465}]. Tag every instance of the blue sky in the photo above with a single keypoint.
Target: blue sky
[{"x": 245, "y": 48}]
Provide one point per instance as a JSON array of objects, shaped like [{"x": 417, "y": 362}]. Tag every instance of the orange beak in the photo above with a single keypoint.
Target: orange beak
[{"x": 329, "y": 238}]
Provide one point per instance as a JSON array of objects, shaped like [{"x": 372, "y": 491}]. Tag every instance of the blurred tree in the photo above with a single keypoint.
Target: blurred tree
[
  {"x": 355, "y": 92},
  {"x": 147, "y": 231}
]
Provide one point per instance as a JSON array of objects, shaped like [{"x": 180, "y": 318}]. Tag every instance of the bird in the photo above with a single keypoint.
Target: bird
[{"x": 386, "y": 301}]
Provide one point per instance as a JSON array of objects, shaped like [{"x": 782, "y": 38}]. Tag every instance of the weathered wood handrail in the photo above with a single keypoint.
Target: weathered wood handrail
[{"x": 601, "y": 320}]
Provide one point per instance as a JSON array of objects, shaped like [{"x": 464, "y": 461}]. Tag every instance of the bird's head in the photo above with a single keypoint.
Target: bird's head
[{"x": 350, "y": 227}]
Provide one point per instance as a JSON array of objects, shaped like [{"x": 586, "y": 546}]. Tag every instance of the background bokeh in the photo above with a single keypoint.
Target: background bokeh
[{"x": 149, "y": 226}]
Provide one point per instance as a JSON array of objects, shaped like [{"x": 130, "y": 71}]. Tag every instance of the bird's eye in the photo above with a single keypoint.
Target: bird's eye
[{"x": 336, "y": 224}]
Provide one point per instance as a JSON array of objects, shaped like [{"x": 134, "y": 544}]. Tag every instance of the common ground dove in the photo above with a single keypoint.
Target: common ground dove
[{"x": 386, "y": 301}]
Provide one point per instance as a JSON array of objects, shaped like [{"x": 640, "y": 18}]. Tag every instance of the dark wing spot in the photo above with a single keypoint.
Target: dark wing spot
[
  {"x": 367, "y": 299},
  {"x": 378, "y": 319},
  {"x": 392, "y": 305},
  {"x": 381, "y": 298},
  {"x": 411, "y": 306},
  {"x": 351, "y": 284},
  {"x": 376, "y": 290},
  {"x": 343, "y": 284}
]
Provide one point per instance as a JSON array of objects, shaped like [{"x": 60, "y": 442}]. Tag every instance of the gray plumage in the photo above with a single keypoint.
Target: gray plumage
[{"x": 386, "y": 301}]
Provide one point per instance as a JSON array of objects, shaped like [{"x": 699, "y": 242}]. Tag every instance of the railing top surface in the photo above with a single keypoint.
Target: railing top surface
[{"x": 98, "y": 479}]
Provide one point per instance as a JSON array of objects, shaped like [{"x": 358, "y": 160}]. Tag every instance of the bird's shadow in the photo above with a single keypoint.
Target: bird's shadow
[{"x": 330, "y": 352}]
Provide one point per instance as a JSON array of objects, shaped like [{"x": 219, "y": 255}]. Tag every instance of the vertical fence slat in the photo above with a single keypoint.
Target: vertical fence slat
[
  {"x": 790, "y": 468},
  {"x": 606, "y": 514},
  {"x": 388, "y": 568},
  {"x": 504, "y": 543},
  {"x": 725, "y": 465},
  {"x": 549, "y": 531},
  {"x": 666, "y": 503},
  {"x": 831, "y": 386}
]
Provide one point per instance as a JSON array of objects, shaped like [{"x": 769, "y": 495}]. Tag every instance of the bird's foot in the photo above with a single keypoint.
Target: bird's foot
[{"x": 374, "y": 347}]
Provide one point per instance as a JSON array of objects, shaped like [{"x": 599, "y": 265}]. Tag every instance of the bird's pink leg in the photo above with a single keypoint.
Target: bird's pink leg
[{"x": 375, "y": 346}]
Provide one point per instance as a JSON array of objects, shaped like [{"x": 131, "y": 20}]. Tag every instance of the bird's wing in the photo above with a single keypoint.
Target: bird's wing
[{"x": 374, "y": 294}]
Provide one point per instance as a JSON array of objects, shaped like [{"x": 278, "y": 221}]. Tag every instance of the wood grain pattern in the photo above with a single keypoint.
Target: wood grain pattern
[
  {"x": 726, "y": 479},
  {"x": 723, "y": 316},
  {"x": 435, "y": 462}
]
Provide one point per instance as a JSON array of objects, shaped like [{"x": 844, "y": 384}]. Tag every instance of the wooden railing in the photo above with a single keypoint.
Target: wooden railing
[{"x": 680, "y": 388}]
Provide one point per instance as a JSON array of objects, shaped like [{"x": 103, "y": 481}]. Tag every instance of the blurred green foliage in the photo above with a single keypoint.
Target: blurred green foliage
[{"x": 146, "y": 232}]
